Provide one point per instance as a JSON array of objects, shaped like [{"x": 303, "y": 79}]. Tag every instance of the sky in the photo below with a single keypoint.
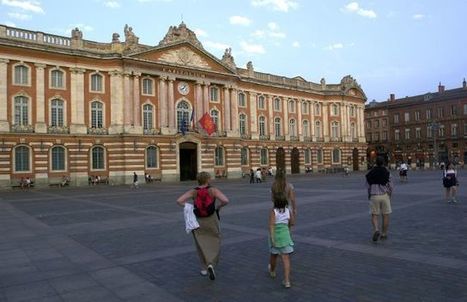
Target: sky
[{"x": 405, "y": 47}]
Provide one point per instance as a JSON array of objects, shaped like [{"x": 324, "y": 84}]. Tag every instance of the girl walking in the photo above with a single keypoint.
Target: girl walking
[{"x": 280, "y": 241}]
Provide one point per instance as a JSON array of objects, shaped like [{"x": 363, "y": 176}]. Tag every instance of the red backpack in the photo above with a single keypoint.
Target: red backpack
[{"x": 204, "y": 203}]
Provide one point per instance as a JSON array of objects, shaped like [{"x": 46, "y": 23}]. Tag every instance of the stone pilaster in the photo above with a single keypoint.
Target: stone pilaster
[
  {"x": 360, "y": 124},
  {"x": 299, "y": 119},
  {"x": 312, "y": 119},
  {"x": 4, "y": 124},
  {"x": 116, "y": 103},
  {"x": 127, "y": 104},
  {"x": 163, "y": 105},
  {"x": 227, "y": 124},
  {"x": 270, "y": 101},
  {"x": 234, "y": 112},
  {"x": 171, "y": 105},
  {"x": 198, "y": 101},
  {"x": 325, "y": 127},
  {"x": 206, "y": 97},
  {"x": 40, "y": 126},
  {"x": 286, "y": 117},
  {"x": 136, "y": 103},
  {"x": 77, "y": 125},
  {"x": 253, "y": 116}
]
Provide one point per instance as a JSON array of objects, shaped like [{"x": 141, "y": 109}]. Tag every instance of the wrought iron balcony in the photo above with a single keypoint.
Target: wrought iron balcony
[
  {"x": 294, "y": 139},
  {"x": 58, "y": 130},
  {"x": 280, "y": 138},
  {"x": 219, "y": 134},
  {"x": 264, "y": 137},
  {"x": 245, "y": 136},
  {"x": 151, "y": 131},
  {"x": 98, "y": 131},
  {"x": 307, "y": 139},
  {"x": 22, "y": 128}
]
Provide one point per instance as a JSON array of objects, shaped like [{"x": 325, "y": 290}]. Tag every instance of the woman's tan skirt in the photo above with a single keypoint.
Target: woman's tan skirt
[{"x": 208, "y": 240}]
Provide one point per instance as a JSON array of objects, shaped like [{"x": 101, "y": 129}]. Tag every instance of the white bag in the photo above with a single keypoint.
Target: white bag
[{"x": 190, "y": 219}]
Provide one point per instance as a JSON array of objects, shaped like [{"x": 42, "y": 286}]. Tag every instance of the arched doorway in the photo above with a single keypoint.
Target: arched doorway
[
  {"x": 295, "y": 161},
  {"x": 280, "y": 158},
  {"x": 355, "y": 159},
  {"x": 188, "y": 161}
]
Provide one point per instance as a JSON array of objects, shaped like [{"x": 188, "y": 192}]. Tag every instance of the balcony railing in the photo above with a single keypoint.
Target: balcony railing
[
  {"x": 336, "y": 139},
  {"x": 307, "y": 139},
  {"x": 219, "y": 134},
  {"x": 151, "y": 131},
  {"x": 264, "y": 137},
  {"x": 245, "y": 136},
  {"x": 98, "y": 131},
  {"x": 280, "y": 138},
  {"x": 320, "y": 139},
  {"x": 22, "y": 128},
  {"x": 294, "y": 138},
  {"x": 58, "y": 130}
]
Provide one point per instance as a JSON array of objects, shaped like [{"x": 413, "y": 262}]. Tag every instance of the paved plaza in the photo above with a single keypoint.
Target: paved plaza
[{"x": 111, "y": 243}]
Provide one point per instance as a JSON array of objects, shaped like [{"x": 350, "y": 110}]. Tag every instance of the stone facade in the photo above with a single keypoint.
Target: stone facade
[
  {"x": 423, "y": 130},
  {"x": 74, "y": 107}
]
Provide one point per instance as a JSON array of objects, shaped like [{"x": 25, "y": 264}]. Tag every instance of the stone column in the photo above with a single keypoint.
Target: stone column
[
  {"x": 171, "y": 106},
  {"x": 234, "y": 112},
  {"x": 286, "y": 118},
  {"x": 163, "y": 105},
  {"x": 253, "y": 116},
  {"x": 227, "y": 126},
  {"x": 127, "y": 104},
  {"x": 270, "y": 101},
  {"x": 116, "y": 102},
  {"x": 40, "y": 126},
  {"x": 198, "y": 102},
  {"x": 136, "y": 103},
  {"x": 4, "y": 124},
  {"x": 325, "y": 122},
  {"x": 299, "y": 119},
  {"x": 77, "y": 125},
  {"x": 312, "y": 120},
  {"x": 360, "y": 125},
  {"x": 206, "y": 97}
]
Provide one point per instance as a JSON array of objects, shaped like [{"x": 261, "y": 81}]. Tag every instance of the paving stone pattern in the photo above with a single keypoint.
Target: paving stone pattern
[{"x": 112, "y": 243}]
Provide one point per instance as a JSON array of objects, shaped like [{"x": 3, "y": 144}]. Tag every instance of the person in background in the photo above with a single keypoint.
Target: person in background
[
  {"x": 380, "y": 189},
  {"x": 258, "y": 175},
  {"x": 403, "y": 171},
  {"x": 252, "y": 176},
  {"x": 135, "y": 181},
  {"x": 208, "y": 236},
  {"x": 450, "y": 183}
]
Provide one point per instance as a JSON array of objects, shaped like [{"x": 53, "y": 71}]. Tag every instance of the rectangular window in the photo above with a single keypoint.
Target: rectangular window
[
  {"x": 147, "y": 87},
  {"x": 96, "y": 82},
  {"x": 397, "y": 135},
  {"x": 453, "y": 110},
  {"x": 151, "y": 157},
  {"x": 244, "y": 156},
  {"x": 441, "y": 131},
  {"x": 417, "y": 115},
  {"x": 441, "y": 112},
  {"x": 385, "y": 122},
  {"x": 418, "y": 133},
  {"x": 454, "y": 130},
  {"x": 307, "y": 156},
  {"x": 319, "y": 156},
  {"x": 305, "y": 108},
  {"x": 429, "y": 131},
  {"x": 428, "y": 114},
  {"x": 264, "y": 156},
  {"x": 396, "y": 118},
  {"x": 384, "y": 136},
  {"x": 219, "y": 156},
  {"x": 261, "y": 102},
  {"x": 465, "y": 108},
  {"x": 407, "y": 133},
  {"x": 58, "y": 159},
  {"x": 407, "y": 117},
  {"x": 214, "y": 94}
]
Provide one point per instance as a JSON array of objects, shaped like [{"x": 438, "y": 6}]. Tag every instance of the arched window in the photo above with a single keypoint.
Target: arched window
[
  {"x": 96, "y": 83},
  {"x": 98, "y": 158},
  {"x": 56, "y": 79},
  {"x": 58, "y": 158},
  {"x": 219, "y": 156},
  {"x": 261, "y": 102},
  {"x": 56, "y": 113},
  {"x": 264, "y": 156},
  {"x": 318, "y": 133},
  {"x": 148, "y": 86},
  {"x": 21, "y": 111},
  {"x": 148, "y": 120},
  {"x": 241, "y": 99},
  {"x": 305, "y": 106},
  {"x": 335, "y": 133},
  {"x": 242, "y": 124},
  {"x": 277, "y": 126},
  {"x": 21, "y": 75},
  {"x": 306, "y": 128},
  {"x": 97, "y": 115},
  {"x": 319, "y": 156},
  {"x": 262, "y": 126},
  {"x": 291, "y": 106},
  {"x": 317, "y": 109},
  {"x": 277, "y": 104},
  {"x": 336, "y": 156},
  {"x": 353, "y": 134},
  {"x": 307, "y": 157},
  {"x": 183, "y": 115},
  {"x": 151, "y": 157},
  {"x": 215, "y": 118},
  {"x": 292, "y": 128},
  {"x": 244, "y": 156},
  {"x": 22, "y": 159}
]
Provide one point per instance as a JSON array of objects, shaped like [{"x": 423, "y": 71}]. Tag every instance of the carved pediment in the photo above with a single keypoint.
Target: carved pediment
[{"x": 184, "y": 56}]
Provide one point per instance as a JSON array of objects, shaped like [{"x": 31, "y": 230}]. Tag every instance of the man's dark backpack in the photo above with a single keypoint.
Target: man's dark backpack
[{"x": 204, "y": 203}]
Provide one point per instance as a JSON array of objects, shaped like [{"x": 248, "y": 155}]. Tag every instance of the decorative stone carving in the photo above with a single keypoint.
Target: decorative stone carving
[
  {"x": 249, "y": 66},
  {"x": 76, "y": 34},
  {"x": 180, "y": 33},
  {"x": 115, "y": 38},
  {"x": 228, "y": 59},
  {"x": 130, "y": 37},
  {"x": 184, "y": 56}
]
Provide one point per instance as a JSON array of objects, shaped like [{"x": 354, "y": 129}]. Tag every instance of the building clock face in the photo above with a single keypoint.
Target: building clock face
[{"x": 183, "y": 88}]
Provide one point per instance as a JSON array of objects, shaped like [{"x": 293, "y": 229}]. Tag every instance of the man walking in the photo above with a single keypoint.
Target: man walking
[{"x": 379, "y": 193}]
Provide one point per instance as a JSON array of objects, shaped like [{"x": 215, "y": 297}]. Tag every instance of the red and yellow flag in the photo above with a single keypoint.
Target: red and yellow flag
[{"x": 207, "y": 124}]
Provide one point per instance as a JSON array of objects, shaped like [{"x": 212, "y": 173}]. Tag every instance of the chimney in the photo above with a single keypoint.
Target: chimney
[
  {"x": 392, "y": 97},
  {"x": 464, "y": 84},
  {"x": 440, "y": 88}
]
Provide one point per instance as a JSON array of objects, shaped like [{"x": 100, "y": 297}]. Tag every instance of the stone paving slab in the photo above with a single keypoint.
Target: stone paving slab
[{"x": 111, "y": 243}]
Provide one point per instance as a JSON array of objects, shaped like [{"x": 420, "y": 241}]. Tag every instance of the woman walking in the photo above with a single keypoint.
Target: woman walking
[
  {"x": 207, "y": 201},
  {"x": 280, "y": 185}
]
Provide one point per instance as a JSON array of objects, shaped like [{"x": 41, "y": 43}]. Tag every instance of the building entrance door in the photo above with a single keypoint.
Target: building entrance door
[
  {"x": 188, "y": 161},
  {"x": 355, "y": 159},
  {"x": 295, "y": 161},
  {"x": 280, "y": 159}
]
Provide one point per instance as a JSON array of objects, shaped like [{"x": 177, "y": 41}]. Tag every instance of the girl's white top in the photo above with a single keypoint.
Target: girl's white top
[{"x": 282, "y": 217}]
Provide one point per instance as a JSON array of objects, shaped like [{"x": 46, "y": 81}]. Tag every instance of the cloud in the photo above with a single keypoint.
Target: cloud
[
  {"x": 200, "y": 33},
  {"x": 278, "y": 5},
  {"x": 215, "y": 45},
  {"x": 239, "y": 20},
  {"x": 32, "y": 5},
  {"x": 334, "y": 46},
  {"x": 418, "y": 17},
  {"x": 274, "y": 31},
  {"x": 82, "y": 27},
  {"x": 252, "y": 48},
  {"x": 258, "y": 33},
  {"x": 19, "y": 16},
  {"x": 296, "y": 44},
  {"x": 354, "y": 7},
  {"x": 112, "y": 4}
]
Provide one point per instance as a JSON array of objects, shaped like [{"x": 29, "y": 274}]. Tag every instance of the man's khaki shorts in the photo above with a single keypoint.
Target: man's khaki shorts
[{"x": 380, "y": 204}]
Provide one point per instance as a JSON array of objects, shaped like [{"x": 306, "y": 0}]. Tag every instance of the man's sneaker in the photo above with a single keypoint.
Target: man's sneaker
[
  {"x": 375, "y": 236},
  {"x": 212, "y": 274},
  {"x": 286, "y": 284},
  {"x": 203, "y": 272}
]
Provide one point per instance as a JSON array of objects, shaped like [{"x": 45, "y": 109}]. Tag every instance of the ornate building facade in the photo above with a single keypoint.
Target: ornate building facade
[
  {"x": 423, "y": 130},
  {"x": 74, "y": 107}
]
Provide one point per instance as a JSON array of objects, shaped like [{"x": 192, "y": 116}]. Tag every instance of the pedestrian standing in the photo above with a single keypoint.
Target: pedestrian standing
[
  {"x": 252, "y": 176},
  {"x": 380, "y": 189},
  {"x": 207, "y": 237},
  {"x": 280, "y": 241},
  {"x": 258, "y": 175},
  {"x": 135, "y": 181},
  {"x": 450, "y": 183}
]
